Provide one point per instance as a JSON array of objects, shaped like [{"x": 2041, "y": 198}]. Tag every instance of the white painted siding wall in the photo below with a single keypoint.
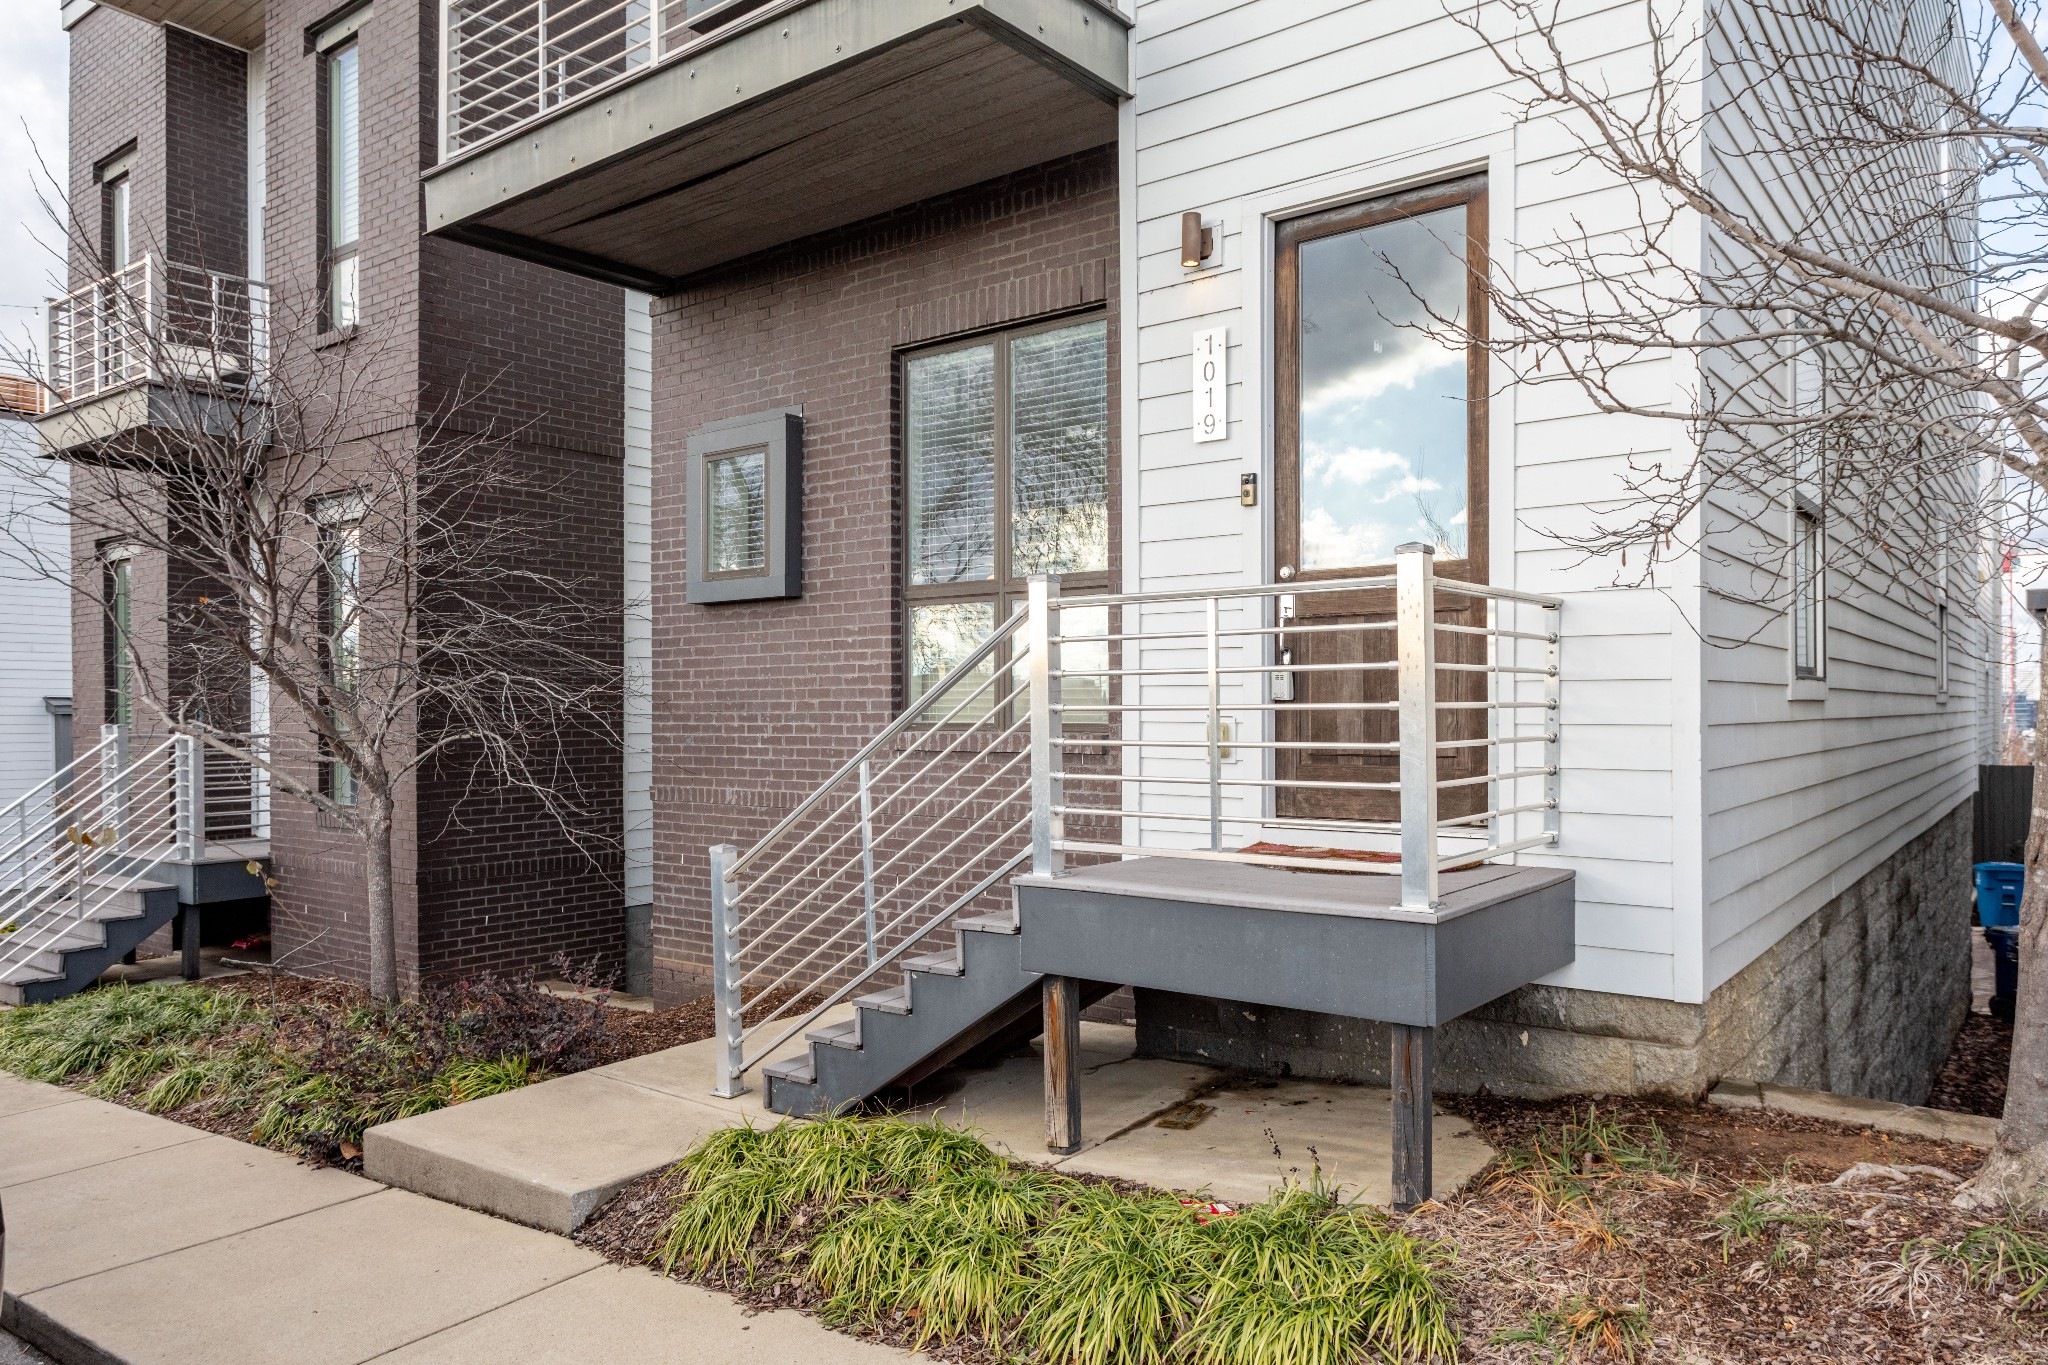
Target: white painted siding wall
[
  {"x": 639, "y": 631},
  {"x": 1252, "y": 112},
  {"x": 35, "y": 618},
  {"x": 1809, "y": 788},
  {"x": 1704, "y": 813}
]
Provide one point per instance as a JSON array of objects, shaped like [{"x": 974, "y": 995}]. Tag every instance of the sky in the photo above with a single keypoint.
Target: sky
[{"x": 32, "y": 122}]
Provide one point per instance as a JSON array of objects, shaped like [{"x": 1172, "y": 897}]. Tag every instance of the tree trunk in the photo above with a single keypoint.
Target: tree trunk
[
  {"x": 383, "y": 922},
  {"x": 2017, "y": 1168}
]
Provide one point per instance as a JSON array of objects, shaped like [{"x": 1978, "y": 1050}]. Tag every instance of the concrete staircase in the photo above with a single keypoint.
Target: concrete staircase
[
  {"x": 951, "y": 1002},
  {"x": 117, "y": 919}
]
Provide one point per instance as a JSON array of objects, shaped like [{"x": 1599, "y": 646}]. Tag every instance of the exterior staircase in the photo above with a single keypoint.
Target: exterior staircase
[
  {"x": 950, "y": 1003},
  {"x": 110, "y": 849},
  {"x": 115, "y": 921}
]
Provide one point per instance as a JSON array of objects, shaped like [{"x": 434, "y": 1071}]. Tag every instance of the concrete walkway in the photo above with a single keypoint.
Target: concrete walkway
[
  {"x": 549, "y": 1154},
  {"x": 137, "y": 1240}
]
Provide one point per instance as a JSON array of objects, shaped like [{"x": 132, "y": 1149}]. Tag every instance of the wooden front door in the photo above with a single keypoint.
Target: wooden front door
[{"x": 1380, "y": 440}]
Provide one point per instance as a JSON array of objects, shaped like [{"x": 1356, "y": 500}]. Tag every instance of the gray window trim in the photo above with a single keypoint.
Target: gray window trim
[{"x": 779, "y": 431}]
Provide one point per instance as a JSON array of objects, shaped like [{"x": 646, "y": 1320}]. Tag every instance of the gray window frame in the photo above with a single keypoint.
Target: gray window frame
[{"x": 779, "y": 433}]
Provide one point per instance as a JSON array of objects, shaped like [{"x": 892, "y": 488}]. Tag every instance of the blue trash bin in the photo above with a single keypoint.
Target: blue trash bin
[{"x": 1998, "y": 894}]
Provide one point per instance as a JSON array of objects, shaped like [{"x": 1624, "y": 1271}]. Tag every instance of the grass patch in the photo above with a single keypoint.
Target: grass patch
[
  {"x": 921, "y": 1232},
  {"x": 2008, "y": 1258},
  {"x": 1763, "y": 1210},
  {"x": 1576, "y": 1159},
  {"x": 306, "y": 1074},
  {"x": 1582, "y": 1324}
]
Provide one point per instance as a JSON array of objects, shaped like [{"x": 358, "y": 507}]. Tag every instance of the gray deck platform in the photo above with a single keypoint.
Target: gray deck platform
[{"x": 1333, "y": 942}]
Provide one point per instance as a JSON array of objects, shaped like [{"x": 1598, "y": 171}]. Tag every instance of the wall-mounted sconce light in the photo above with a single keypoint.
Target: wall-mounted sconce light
[{"x": 1197, "y": 243}]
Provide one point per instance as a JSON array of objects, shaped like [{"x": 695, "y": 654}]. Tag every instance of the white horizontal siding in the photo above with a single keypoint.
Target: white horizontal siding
[
  {"x": 1804, "y": 797},
  {"x": 35, "y": 611},
  {"x": 639, "y": 625},
  {"x": 1248, "y": 111}
]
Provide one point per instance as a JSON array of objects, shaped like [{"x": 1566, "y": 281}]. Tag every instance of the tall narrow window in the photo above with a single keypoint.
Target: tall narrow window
[
  {"x": 120, "y": 651},
  {"x": 1941, "y": 650},
  {"x": 120, "y": 228},
  {"x": 341, "y": 584},
  {"x": 1808, "y": 654},
  {"x": 1007, "y": 464},
  {"x": 342, "y": 158}
]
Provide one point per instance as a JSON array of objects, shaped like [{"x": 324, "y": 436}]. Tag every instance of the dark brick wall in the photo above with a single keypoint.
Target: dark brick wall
[
  {"x": 462, "y": 340},
  {"x": 757, "y": 702}
]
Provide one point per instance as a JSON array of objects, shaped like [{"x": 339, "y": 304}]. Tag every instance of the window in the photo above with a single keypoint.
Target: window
[
  {"x": 120, "y": 653},
  {"x": 341, "y": 582},
  {"x": 341, "y": 156},
  {"x": 1808, "y": 654},
  {"x": 1941, "y": 650},
  {"x": 120, "y": 236},
  {"x": 736, "y": 502},
  {"x": 1806, "y": 399},
  {"x": 1006, "y": 461},
  {"x": 743, "y": 519}
]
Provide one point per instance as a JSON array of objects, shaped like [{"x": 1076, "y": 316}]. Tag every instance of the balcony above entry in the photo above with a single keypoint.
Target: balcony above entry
[
  {"x": 644, "y": 141},
  {"x": 237, "y": 23}
]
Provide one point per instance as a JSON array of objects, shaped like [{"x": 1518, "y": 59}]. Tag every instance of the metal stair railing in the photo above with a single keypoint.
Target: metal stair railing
[
  {"x": 1143, "y": 724},
  {"x": 112, "y": 822}
]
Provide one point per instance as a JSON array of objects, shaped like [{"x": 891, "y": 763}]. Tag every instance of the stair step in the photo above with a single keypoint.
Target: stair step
[
  {"x": 798, "y": 1069},
  {"x": 947, "y": 963},
  {"x": 845, "y": 1035},
  {"x": 895, "y": 1000},
  {"x": 1000, "y": 922}
]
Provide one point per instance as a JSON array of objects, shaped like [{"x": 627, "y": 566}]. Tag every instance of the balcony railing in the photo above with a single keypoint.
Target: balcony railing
[
  {"x": 508, "y": 62},
  {"x": 157, "y": 322},
  {"x": 1159, "y": 725}
]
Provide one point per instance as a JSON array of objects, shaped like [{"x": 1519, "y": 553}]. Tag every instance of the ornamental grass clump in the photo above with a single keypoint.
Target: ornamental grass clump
[
  {"x": 307, "y": 1074},
  {"x": 921, "y": 1231}
]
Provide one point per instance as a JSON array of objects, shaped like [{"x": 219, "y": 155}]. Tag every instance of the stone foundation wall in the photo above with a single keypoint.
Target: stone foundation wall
[{"x": 1863, "y": 998}]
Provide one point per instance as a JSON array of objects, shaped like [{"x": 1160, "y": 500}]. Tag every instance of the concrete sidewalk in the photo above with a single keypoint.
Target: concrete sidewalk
[{"x": 137, "y": 1240}]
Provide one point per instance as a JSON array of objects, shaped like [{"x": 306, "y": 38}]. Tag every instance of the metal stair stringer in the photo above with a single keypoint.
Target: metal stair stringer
[
  {"x": 951, "y": 1002},
  {"x": 91, "y": 945}
]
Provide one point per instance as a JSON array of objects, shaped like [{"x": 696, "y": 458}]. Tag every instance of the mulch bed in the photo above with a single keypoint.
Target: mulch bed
[
  {"x": 1859, "y": 1282},
  {"x": 1972, "y": 1081}
]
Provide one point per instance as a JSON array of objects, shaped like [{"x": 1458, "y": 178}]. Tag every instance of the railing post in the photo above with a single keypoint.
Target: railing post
[
  {"x": 113, "y": 803},
  {"x": 1415, "y": 632},
  {"x": 725, "y": 991},
  {"x": 1048, "y": 827},
  {"x": 1553, "y": 782},
  {"x": 188, "y": 772},
  {"x": 867, "y": 851},
  {"x": 1214, "y": 752},
  {"x": 657, "y": 15}
]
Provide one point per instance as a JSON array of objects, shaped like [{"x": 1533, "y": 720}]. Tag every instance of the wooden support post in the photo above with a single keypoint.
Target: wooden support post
[
  {"x": 188, "y": 941},
  {"x": 1413, "y": 1061},
  {"x": 1062, "y": 1013}
]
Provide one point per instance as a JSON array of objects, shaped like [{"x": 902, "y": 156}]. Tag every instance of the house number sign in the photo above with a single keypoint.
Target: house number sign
[{"x": 1212, "y": 378}]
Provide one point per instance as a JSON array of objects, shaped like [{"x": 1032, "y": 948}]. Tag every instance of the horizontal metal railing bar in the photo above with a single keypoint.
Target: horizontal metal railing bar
[
  {"x": 56, "y": 780},
  {"x": 1344, "y": 746},
  {"x": 1380, "y": 665},
  {"x": 1494, "y": 851},
  {"x": 1255, "y": 590},
  {"x": 938, "y": 691},
  {"x": 1202, "y": 708},
  {"x": 1489, "y": 815},
  {"x": 1536, "y": 636},
  {"x": 847, "y": 896},
  {"x": 1198, "y": 635},
  {"x": 1492, "y": 740},
  {"x": 1212, "y": 856},
  {"x": 1492, "y": 705},
  {"x": 1515, "y": 775},
  {"x": 1233, "y": 781},
  {"x": 1494, "y": 668},
  {"x": 854, "y": 800},
  {"x": 881, "y": 962},
  {"x": 1489, "y": 592}
]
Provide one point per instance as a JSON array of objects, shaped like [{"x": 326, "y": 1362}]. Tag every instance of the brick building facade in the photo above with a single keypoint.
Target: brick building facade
[{"x": 477, "y": 345}]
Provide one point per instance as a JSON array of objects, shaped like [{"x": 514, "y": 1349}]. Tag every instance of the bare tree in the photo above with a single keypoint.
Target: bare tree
[
  {"x": 380, "y": 578},
  {"x": 1833, "y": 240}
]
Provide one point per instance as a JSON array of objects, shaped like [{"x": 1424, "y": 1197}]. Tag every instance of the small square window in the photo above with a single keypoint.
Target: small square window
[
  {"x": 744, "y": 518},
  {"x": 736, "y": 512}
]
